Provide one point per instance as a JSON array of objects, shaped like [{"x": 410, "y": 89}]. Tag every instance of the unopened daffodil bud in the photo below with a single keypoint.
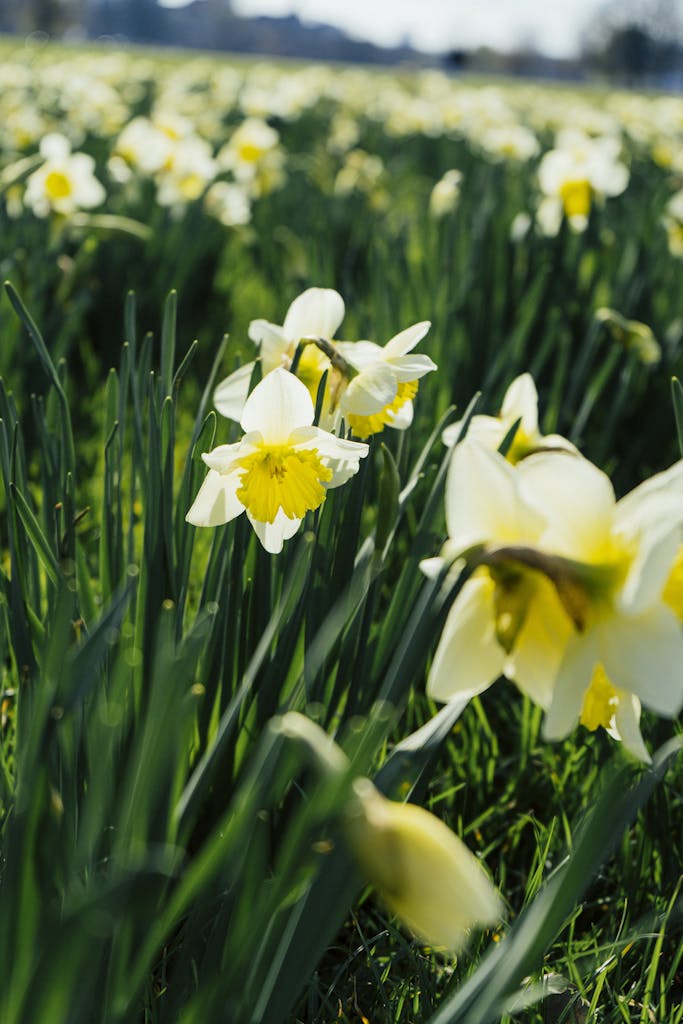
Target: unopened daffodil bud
[{"x": 424, "y": 873}]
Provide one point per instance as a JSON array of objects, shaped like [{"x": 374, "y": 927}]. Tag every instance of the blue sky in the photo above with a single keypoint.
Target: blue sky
[{"x": 441, "y": 24}]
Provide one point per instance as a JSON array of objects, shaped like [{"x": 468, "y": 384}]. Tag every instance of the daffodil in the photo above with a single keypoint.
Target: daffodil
[
  {"x": 281, "y": 468},
  {"x": 445, "y": 195},
  {"x": 580, "y": 171},
  {"x": 65, "y": 182},
  {"x": 673, "y": 223},
  {"x": 507, "y": 618},
  {"x": 381, "y": 392},
  {"x": 625, "y": 560},
  {"x": 316, "y": 313},
  {"x": 574, "y": 596},
  {"x": 520, "y": 405},
  {"x": 422, "y": 871}
]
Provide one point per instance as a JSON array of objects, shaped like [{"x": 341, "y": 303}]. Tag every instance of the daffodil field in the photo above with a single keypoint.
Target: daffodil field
[{"x": 342, "y": 545}]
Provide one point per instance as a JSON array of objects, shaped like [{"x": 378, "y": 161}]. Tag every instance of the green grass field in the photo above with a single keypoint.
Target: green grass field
[{"x": 181, "y": 837}]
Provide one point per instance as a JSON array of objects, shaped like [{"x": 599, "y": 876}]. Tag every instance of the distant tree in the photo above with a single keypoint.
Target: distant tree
[{"x": 632, "y": 39}]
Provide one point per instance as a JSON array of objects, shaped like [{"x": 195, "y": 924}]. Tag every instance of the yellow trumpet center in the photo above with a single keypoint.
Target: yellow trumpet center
[
  {"x": 57, "y": 185},
  {"x": 673, "y": 588},
  {"x": 576, "y": 198},
  {"x": 250, "y": 153},
  {"x": 363, "y": 426},
  {"x": 312, "y": 365},
  {"x": 600, "y": 701},
  {"x": 278, "y": 477}
]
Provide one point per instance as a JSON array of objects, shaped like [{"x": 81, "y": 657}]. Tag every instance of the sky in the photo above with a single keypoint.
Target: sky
[{"x": 439, "y": 25}]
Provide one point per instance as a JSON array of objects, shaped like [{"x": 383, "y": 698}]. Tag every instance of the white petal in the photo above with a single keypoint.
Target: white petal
[
  {"x": 406, "y": 340},
  {"x": 340, "y": 455},
  {"x": 576, "y": 500},
  {"x": 402, "y": 419},
  {"x": 521, "y": 400},
  {"x": 651, "y": 517},
  {"x": 409, "y": 368},
  {"x": 649, "y": 569},
  {"x": 468, "y": 658},
  {"x": 644, "y": 655},
  {"x": 361, "y": 354},
  {"x": 317, "y": 311},
  {"x": 652, "y": 501},
  {"x": 216, "y": 502},
  {"x": 488, "y": 431},
  {"x": 231, "y": 394},
  {"x": 540, "y": 645},
  {"x": 278, "y": 405},
  {"x": 483, "y": 503},
  {"x": 573, "y": 679},
  {"x": 54, "y": 146},
  {"x": 276, "y": 347},
  {"x": 370, "y": 391},
  {"x": 627, "y": 728},
  {"x": 222, "y": 457},
  {"x": 272, "y": 535}
]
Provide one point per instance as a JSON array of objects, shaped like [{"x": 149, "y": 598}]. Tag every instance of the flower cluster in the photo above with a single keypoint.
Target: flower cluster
[{"x": 284, "y": 465}]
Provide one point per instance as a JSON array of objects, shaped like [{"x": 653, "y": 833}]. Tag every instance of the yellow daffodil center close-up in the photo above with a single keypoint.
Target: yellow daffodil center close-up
[
  {"x": 600, "y": 701},
  {"x": 250, "y": 153},
  {"x": 673, "y": 588},
  {"x": 363, "y": 426},
  {"x": 576, "y": 198},
  {"x": 312, "y": 365},
  {"x": 278, "y": 477},
  {"x": 57, "y": 185},
  {"x": 191, "y": 186}
]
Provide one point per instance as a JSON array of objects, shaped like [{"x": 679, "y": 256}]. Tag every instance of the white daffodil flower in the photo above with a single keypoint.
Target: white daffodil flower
[
  {"x": 576, "y": 597},
  {"x": 576, "y": 174},
  {"x": 316, "y": 313},
  {"x": 505, "y": 620},
  {"x": 281, "y": 468},
  {"x": 629, "y": 648},
  {"x": 423, "y": 871},
  {"x": 381, "y": 393},
  {"x": 65, "y": 182},
  {"x": 520, "y": 403}
]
